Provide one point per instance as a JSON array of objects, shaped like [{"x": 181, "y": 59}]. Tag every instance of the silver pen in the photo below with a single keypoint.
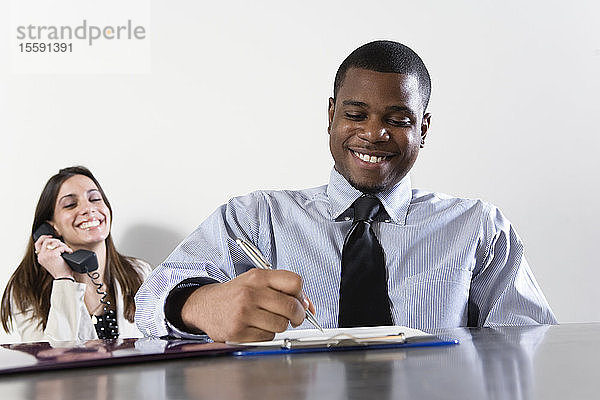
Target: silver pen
[{"x": 261, "y": 262}]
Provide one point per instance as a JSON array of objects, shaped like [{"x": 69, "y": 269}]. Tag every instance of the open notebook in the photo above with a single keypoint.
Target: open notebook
[{"x": 338, "y": 339}]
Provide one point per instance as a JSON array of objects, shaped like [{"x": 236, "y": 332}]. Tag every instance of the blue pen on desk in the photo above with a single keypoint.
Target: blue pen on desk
[{"x": 261, "y": 262}]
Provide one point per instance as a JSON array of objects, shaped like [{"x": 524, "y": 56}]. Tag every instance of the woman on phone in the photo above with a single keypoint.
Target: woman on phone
[{"x": 45, "y": 299}]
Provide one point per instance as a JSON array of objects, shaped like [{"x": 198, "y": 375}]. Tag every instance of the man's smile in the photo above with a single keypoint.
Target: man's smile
[{"x": 372, "y": 157}]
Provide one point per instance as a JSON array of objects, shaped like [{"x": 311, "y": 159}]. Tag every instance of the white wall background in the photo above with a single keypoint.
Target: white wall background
[{"x": 236, "y": 101}]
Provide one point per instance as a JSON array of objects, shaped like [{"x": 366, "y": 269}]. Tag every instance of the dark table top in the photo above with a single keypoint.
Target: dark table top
[{"x": 543, "y": 362}]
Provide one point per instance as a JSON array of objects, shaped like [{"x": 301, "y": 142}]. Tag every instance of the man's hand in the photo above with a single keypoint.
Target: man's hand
[{"x": 251, "y": 307}]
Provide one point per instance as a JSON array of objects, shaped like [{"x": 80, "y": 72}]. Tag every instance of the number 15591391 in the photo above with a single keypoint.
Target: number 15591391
[{"x": 46, "y": 47}]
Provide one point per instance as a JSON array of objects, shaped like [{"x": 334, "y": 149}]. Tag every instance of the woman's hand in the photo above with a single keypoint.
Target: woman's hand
[{"x": 49, "y": 250}]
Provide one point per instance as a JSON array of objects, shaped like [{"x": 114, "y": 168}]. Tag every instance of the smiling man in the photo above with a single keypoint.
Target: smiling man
[
  {"x": 366, "y": 249},
  {"x": 376, "y": 127}
]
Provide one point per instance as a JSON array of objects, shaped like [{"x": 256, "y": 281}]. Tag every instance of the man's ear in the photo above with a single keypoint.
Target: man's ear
[
  {"x": 425, "y": 124},
  {"x": 330, "y": 112}
]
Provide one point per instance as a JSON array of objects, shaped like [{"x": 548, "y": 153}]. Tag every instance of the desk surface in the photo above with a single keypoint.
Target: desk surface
[{"x": 545, "y": 362}]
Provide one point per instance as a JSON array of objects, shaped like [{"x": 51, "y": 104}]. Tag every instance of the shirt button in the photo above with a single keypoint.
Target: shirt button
[
  {"x": 347, "y": 218},
  {"x": 387, "y": 220}
]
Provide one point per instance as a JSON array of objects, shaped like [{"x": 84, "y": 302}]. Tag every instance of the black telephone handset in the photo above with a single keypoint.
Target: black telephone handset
[{"x": 81, "y": 261}]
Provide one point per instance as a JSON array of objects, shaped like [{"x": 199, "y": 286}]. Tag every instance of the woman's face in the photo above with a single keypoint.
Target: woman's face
[{"x": 80, "y": 215}]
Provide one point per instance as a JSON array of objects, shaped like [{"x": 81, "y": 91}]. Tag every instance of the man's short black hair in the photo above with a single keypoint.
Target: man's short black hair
[{"x": 386, "y": 56}]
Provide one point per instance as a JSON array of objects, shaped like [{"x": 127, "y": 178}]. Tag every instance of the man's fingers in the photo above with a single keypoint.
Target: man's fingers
[
  {"x": 280, "y": 305},
  {"x": 230, "y": 313},
  {"x": 251, "y": 307},
  {"x": 268, "y": 321},
  {"x": 306, "y": 302},
  {"x": 284, "y": 281},
  {"x": 282, "y": 293},
  {"x": 252, "y": 334}
]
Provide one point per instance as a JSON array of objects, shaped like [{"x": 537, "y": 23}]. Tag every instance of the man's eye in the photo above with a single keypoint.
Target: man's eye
[
  {"x": 399, "y": 122},
  {"x": 96, "y": 199},
  {"x": 355, "y": 117},
  {"x": 70, "y": 205}
]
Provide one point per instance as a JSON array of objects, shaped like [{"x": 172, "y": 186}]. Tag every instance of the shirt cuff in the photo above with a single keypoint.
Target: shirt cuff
[{"x": 174, "y": 303}]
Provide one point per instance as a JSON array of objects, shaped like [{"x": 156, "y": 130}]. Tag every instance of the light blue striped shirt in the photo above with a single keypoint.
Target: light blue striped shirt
[{"x": 450, "y": 262}]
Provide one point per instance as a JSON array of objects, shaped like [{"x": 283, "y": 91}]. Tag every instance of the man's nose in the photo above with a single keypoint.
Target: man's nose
[{"x": 374, "y": 131}]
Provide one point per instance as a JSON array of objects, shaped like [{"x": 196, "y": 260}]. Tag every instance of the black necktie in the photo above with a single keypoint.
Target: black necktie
[{"x": 364, "y": 298}]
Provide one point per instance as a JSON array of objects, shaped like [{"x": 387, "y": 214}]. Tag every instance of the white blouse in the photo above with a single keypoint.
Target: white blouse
[{"x": 69, "y": 318}]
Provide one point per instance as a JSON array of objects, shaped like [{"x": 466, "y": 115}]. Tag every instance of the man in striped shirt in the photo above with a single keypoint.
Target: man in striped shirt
[{"x": 448, "y": 261}]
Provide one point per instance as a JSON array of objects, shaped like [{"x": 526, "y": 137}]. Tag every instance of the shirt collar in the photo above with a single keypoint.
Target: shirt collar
[{"x": 395, "y": 200}]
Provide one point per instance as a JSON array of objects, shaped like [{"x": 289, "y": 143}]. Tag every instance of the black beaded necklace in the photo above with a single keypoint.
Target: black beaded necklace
[{"x": 106, "y": 324}]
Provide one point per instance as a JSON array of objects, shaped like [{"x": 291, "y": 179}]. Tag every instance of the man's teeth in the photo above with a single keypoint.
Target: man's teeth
[
  {"x": 368, "y": 158},
  {"x": 89, "y": 224}
]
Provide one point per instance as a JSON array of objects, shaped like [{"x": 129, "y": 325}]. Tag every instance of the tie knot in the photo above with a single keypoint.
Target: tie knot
[{"x": 366, "y": 208}]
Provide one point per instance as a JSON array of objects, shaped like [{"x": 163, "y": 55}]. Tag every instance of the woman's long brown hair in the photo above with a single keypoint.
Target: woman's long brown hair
[{"x": 30, "y": 285}]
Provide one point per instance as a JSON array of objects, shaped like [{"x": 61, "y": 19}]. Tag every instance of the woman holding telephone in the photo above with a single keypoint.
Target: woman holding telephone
[{"x": 72, "y": 284}]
